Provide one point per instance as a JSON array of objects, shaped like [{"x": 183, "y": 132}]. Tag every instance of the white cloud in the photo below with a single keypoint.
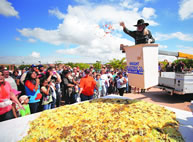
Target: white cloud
[
  {"x": 57, "y": 13},
  {"x": 35, "y": 54},
  {"x": 81, "y": 27},
  {"x": 186, "y": 10},
  {"x": 178, "y": 35},
  {"x": 148, "y": 12},
  {"x": 7, "y": 9},
  {"x": 50, "y": 36},
  {"x": 130, "y": 4},
  {"x": 31, "y": 40},
  {"x": 99, "y": 49}
]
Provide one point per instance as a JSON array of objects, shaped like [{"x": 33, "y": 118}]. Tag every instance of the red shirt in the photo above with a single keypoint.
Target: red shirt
[
  {"x": 88, "y": 84},
  {"x": 5, "y": 91}
]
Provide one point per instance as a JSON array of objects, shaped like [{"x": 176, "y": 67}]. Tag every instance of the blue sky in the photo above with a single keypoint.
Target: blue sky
[{"x": 74, "y": 30}]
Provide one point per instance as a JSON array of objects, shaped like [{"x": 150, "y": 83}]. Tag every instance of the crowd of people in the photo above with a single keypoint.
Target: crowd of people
[
  {"x": 174, "y": 67},
  {"x": 39, "y": 88}
]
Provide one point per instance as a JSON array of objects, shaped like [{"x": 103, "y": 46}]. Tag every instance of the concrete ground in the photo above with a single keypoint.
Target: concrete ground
[{"x": 155, "y": 95}]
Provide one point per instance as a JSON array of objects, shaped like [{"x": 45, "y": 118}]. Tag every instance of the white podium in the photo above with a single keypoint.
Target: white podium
[{"x": 142, "y": 65}]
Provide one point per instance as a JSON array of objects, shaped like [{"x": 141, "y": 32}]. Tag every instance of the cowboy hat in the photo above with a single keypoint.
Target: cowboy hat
[{"x": 141, "y": 22}]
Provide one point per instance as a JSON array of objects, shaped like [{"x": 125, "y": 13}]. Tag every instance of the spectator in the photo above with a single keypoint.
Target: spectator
[
  {"x": 180, "y": 66},
  {"x": 169, "y": 67},
  {"x": 15, "y": 76},
  {"x": 9, "y": 79},
  {"x": 121, "y": 84},
  {"x": 87, "y": 86},
  {"x": 115, "y": 81},
  {"x": 91, "y": 69},
  {"x": 24, "y": 100},
  {"x": 76, "y": 78},
  {"x": 54, "y": 77},
  {"x": 113, "y": 74},
  {"x": 128, "y": 87},
  {"x": 99, "y": 85},
  {"x": 23, "y": 70},
  {"x": 111, "y": 88},
  {"x": 33, "y": 68},
  {"x": 41, "y": 72},
  {"x": 46, "y": 94},
  {"x": 105, "y": 82},
  {"x": 60, "y": 69},
  {"x": 69, "y": 88},
  {"x": 75, "y": 74},
  {"x": 6, "y": 95},
  {"x": 32, "y": 87}
]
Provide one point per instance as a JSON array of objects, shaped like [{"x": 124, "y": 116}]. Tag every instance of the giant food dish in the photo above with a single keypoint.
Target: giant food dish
[{"x": 106, "y": 120}]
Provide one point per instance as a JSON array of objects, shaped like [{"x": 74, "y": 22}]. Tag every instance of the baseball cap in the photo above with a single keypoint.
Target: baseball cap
[
  {"x": 39, "y": 66},
  {"x": 23, "y": 98},
  {"x": 33, "y": 66}
]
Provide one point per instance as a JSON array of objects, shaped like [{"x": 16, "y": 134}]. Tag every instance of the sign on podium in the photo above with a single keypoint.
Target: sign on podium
[{"x": 142, "y": 65}]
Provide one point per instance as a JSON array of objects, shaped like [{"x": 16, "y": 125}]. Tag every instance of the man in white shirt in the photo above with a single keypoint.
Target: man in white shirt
[
  {"x": 10, "y": 79},
  {"x": 105, "y": 83}
]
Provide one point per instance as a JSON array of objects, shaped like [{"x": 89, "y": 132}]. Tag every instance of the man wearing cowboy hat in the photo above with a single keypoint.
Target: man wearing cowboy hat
[{"x": 141, "y": 35}]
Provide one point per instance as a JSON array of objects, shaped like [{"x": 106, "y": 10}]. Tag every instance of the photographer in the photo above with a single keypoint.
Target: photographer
[
  {"x": 54, "y": 77},
  {"x": 47, "y": 94}
]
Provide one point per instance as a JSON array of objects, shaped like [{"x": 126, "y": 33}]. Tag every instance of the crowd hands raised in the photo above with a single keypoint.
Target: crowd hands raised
[{"x": 39, "y": 88}]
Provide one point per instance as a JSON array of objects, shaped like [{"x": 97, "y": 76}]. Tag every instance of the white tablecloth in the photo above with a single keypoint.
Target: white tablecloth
[{"x": 13, "y": 130}]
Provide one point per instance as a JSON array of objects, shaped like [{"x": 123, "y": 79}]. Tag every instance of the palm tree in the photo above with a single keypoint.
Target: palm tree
[{"x": 116, "y": 63}]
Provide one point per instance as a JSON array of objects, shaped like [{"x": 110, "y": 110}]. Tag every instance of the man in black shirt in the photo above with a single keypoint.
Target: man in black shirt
[
  {"x": 69, "y": 88},
  {"x": 180, "y": 67},
  {"x": 141, "y": 35}
]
